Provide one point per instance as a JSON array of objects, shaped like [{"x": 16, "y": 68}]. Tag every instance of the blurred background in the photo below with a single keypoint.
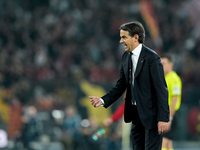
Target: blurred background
[{"x": 55, "y": 53}]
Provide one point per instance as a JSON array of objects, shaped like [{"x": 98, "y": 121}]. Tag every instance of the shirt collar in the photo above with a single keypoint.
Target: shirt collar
[{"x": 137, "y": 50}]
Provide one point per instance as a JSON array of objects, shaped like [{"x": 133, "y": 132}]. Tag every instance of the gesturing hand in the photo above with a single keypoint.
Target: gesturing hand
[{"x": 95, "y": 101}]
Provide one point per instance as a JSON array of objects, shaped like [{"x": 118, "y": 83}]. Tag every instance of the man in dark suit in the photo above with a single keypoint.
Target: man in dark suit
[{"x": 146, "y": 102}]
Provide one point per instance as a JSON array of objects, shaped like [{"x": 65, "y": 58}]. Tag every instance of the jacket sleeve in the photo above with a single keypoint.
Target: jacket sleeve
[{"x": 160, "y": 86}]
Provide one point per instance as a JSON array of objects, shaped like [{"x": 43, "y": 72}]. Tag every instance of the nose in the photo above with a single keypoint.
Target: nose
[{"x": 121, "y": 41}]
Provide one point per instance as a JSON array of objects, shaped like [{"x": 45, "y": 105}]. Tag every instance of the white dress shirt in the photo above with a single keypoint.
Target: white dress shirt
[{"x": 135, "y": 57}]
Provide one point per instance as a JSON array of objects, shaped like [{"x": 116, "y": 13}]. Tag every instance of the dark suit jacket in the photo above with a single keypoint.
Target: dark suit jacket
[{"x": 150, "y": 90}]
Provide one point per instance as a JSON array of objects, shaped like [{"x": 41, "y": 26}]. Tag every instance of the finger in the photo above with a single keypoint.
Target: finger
[
  {"x": 160, "y": 131},
  {"x": 96, "y": 98},
  {"x": 163, "y": 130},
  {"x": 91, "y": 97},
  {"x": 93, "y": 102},
  {"x": 97, "y": 104}
]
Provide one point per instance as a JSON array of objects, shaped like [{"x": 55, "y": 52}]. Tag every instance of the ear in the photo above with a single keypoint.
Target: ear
[{"x": 136, "y": 37}]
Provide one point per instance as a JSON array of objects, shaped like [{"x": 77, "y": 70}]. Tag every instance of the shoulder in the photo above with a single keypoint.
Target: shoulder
[
  {"x": 173, "y": 78},
  {"x": 150, "y": 55},
  {"x": 149, "y": 52}
]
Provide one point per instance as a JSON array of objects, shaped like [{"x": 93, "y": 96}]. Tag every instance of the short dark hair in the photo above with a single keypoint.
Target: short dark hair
[
  {"x": 168, "y": 56},
  {"x": 133, "y": 28}
]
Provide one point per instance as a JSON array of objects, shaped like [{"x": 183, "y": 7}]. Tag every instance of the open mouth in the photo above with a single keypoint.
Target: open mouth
[{"x": 125, "y": 46}]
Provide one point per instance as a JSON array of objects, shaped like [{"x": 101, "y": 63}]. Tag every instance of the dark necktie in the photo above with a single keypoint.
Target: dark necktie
[{"x": 130, "y": 69}]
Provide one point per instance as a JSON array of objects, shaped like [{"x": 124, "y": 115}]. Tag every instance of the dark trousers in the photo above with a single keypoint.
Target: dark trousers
[{"x": 144, "y": 139}]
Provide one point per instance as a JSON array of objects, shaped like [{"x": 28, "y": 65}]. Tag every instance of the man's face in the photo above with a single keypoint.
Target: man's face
[
  {"x": 167, "y": 65},
  {"x": 130, "y": 43}
]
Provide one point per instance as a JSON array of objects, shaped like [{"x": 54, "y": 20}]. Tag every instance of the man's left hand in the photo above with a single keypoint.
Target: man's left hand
[{"x": 163, "y": 127}]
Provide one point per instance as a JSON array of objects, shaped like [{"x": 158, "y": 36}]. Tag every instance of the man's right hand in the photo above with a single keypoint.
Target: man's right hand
[{"x": 95, "y": 101}]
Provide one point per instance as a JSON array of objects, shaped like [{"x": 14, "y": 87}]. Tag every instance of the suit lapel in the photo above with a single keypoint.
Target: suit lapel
[{"x": 140, "y": 61}]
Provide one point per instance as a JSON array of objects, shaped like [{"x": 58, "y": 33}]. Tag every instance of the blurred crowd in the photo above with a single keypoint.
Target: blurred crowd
[{"x": 48, "y": 46}]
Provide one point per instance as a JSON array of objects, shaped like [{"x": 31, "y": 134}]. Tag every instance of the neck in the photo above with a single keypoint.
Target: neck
[{"x": 168, "y": 72}]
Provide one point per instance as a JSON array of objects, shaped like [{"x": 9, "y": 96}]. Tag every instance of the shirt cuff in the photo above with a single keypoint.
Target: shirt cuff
[{"x": 102, "y": 101}]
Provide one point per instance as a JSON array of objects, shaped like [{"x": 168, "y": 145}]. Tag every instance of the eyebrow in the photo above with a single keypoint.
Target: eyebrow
[{"x": 123, "y": 36}]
